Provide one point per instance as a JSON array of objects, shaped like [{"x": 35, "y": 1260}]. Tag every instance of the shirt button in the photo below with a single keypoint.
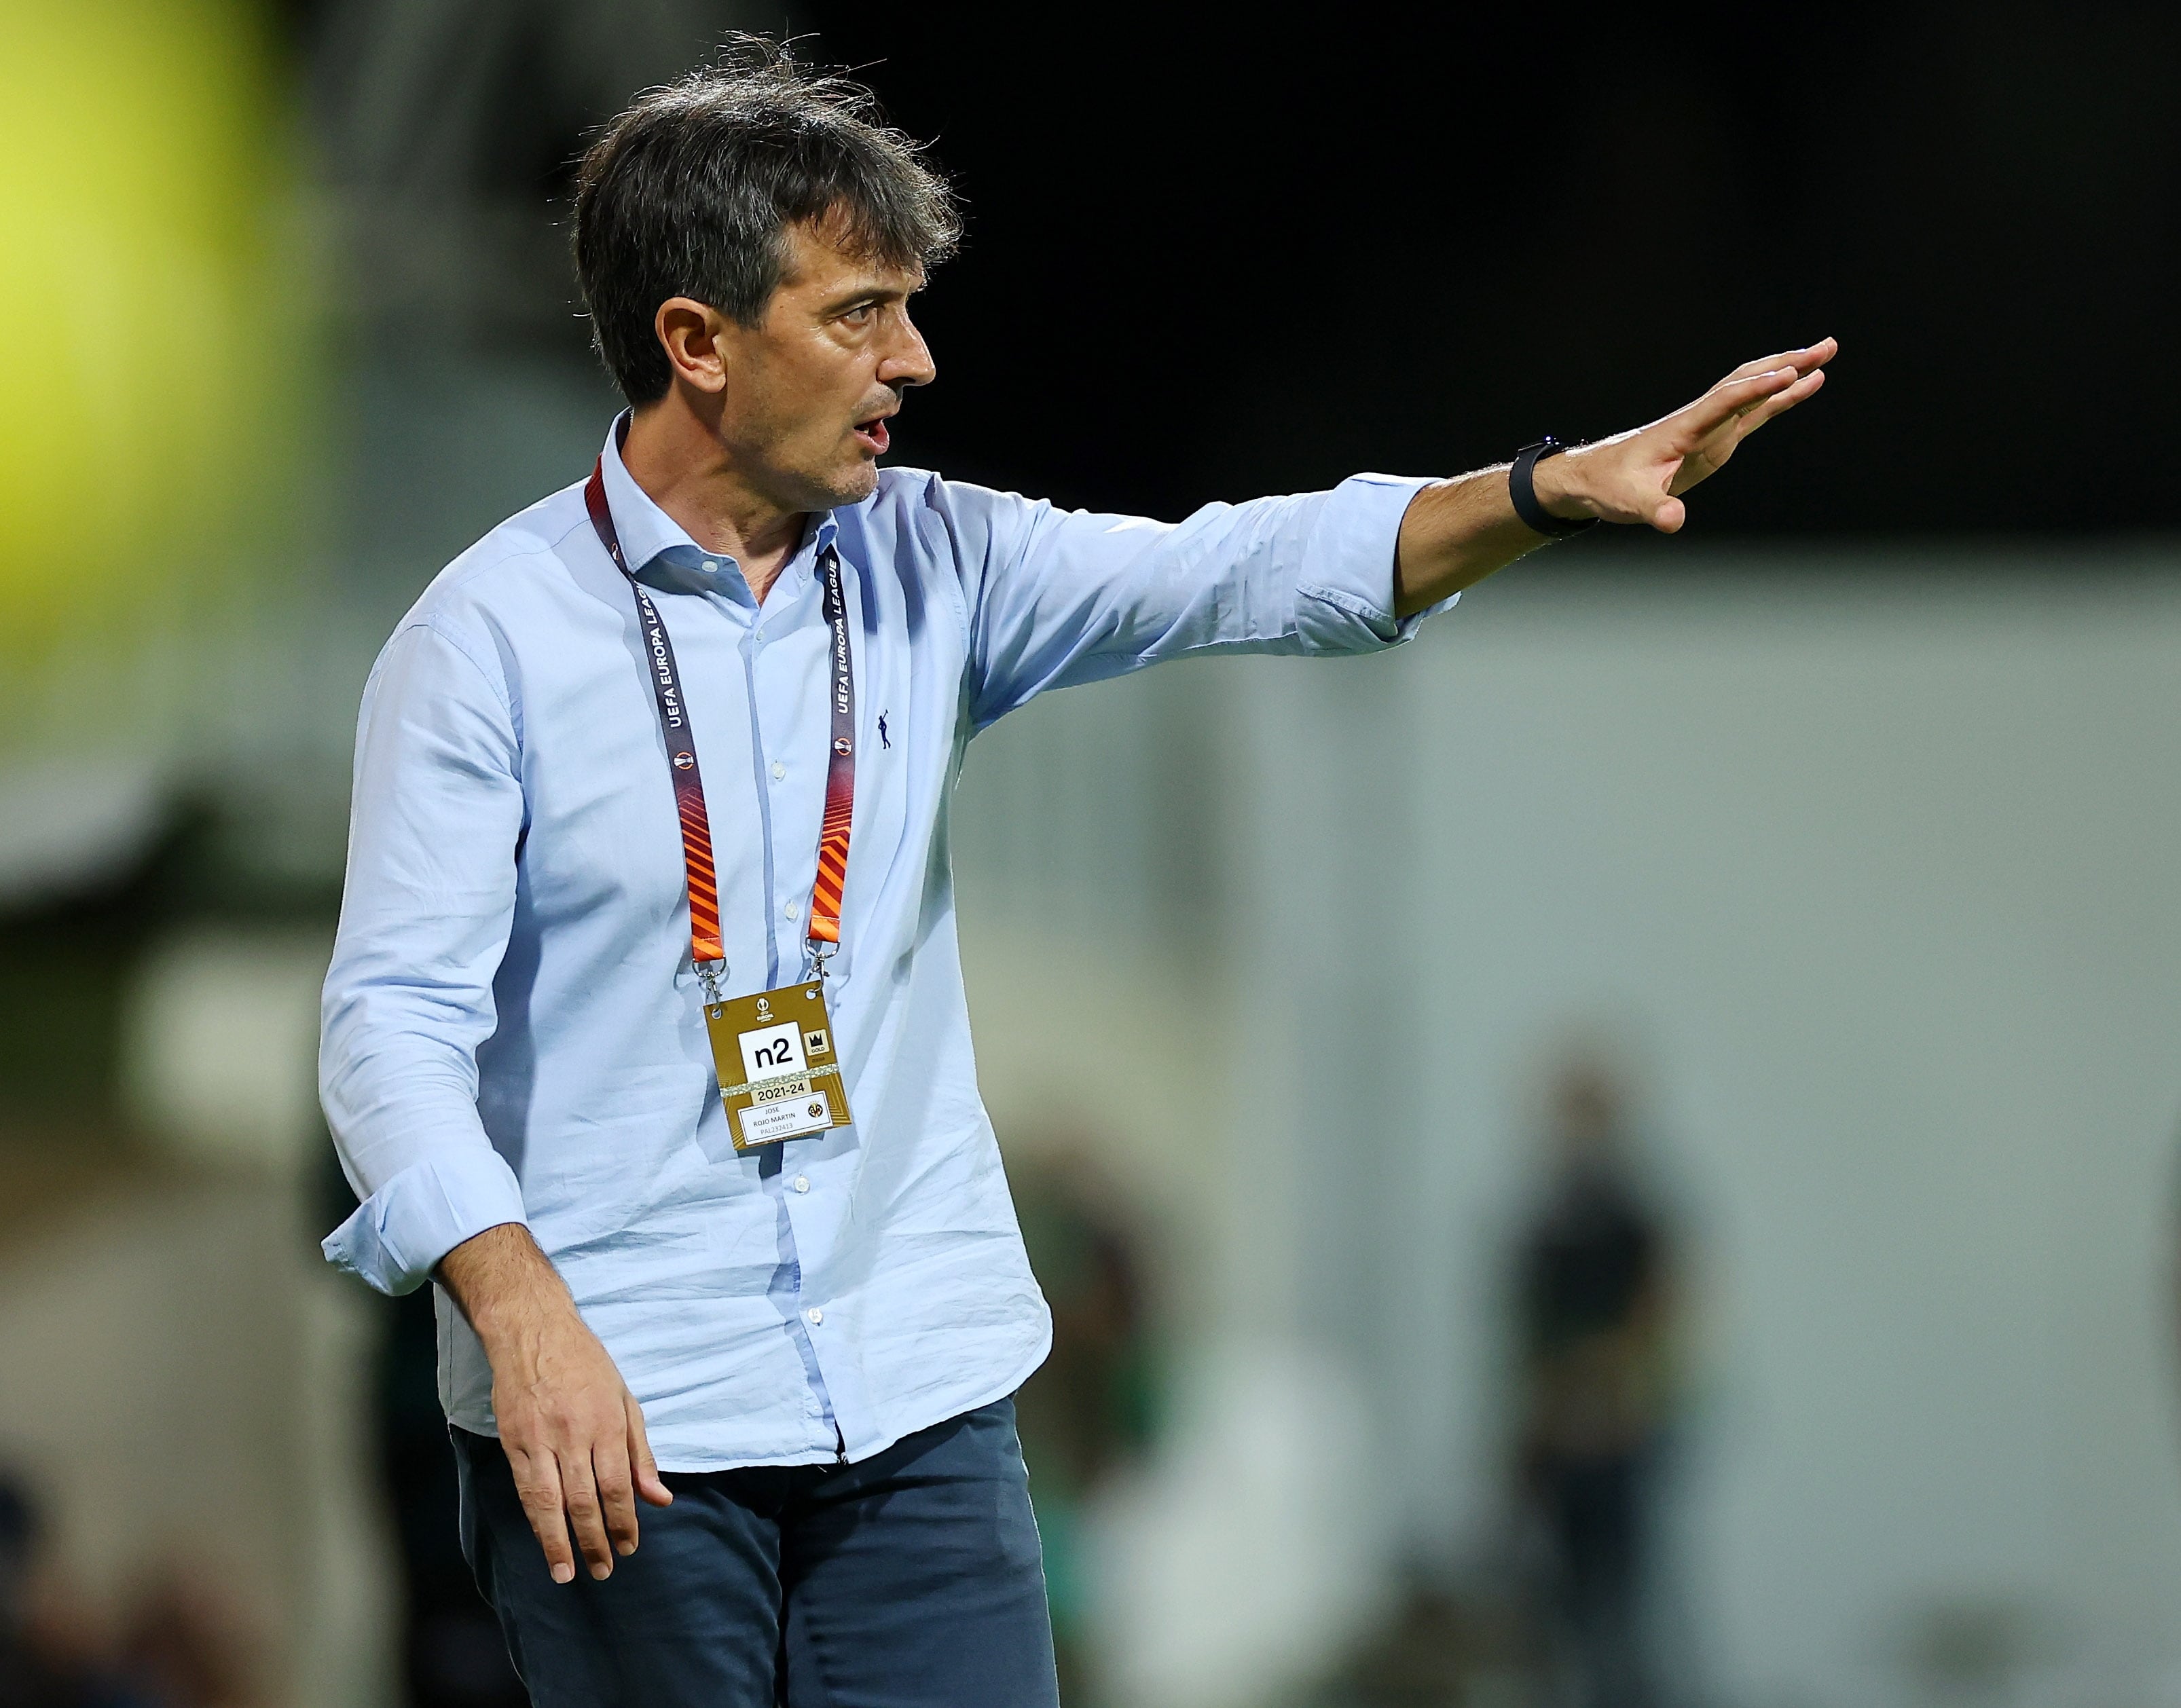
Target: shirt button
[
  {"x": 803, "y": 1183},
  {"x": 710, "y": 567},
  {"x": 779, "y": 770},
  {"x": 791, "y": 910},
  {"x": 814, "y": 1315}
]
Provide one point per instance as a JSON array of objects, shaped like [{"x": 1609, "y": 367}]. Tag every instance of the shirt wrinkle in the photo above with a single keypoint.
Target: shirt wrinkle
[{"x": 494, "y": 1048}]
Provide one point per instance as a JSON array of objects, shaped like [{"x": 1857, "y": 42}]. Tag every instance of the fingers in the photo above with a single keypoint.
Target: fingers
[
  {"x": 1727, "y": 399},
  {"x": 1815, "y": 355},
  {"x": 601, "y": 1505},
  {"x": 617, "y": 1486},
  {"x": 1766, "y": 376},
  {"x": 559, "y": 1493},
  {"x": 538, "y": 1486},
  {"x": 1764, "y": 364},
  {"x": 648, "y": 1483},
  {"x": 1705, "y": 455},
  {"x": 1781, "y": 402},
  {"x": 579, "y": 1494}
]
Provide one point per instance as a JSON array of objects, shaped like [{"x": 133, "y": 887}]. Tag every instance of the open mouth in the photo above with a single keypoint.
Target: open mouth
[{"x": 871, "y": 435}]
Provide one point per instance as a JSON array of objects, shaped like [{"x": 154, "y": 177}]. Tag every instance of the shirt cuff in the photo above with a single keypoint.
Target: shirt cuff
[
  {"x": 401, "y": 1231},
  {"x": 1346, "y": 601}
]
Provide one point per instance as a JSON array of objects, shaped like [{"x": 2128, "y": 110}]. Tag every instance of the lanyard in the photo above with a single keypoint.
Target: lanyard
[{"x": 706, "y": 953}]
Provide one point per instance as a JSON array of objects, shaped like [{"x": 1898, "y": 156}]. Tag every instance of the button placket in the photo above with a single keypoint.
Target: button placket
[{"x": 773, "y": 621}]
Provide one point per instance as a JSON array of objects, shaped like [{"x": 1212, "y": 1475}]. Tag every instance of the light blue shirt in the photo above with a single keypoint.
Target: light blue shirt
[{"x": 512, "y": 1030}]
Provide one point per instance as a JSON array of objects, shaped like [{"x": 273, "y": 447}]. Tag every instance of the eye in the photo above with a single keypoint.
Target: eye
[{"x": 861, "y": 314}]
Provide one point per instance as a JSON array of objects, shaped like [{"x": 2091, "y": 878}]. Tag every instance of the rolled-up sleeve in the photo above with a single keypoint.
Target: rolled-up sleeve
[
  {"x": 438, "y": 814},
  {"x": 1058, "y": 598}
]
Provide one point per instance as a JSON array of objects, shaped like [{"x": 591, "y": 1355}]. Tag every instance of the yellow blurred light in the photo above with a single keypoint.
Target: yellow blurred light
[{"x": 144, "y": 303}]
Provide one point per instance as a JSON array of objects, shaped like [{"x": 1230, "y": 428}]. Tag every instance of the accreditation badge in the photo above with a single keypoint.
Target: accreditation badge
[{"x": 780, "y": 1074}]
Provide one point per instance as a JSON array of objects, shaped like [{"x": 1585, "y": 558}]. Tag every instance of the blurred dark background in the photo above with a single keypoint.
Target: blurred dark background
[
  {"x": 1215, "y": 253},
  {"x": 1209, "y": 261}
]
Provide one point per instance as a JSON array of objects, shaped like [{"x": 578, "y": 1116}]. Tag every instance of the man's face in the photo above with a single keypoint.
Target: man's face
[{"x": 809, "y": 387}]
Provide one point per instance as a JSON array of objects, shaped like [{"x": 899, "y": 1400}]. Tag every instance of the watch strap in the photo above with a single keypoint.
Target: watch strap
[{"x": 1521, "y": 489}]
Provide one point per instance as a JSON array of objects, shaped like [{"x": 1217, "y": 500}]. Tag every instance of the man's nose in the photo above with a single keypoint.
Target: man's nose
[{"x": 909, "y": 361}]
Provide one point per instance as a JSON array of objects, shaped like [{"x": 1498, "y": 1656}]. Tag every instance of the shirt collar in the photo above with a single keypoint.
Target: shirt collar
[{"x": 648, "y": 533}]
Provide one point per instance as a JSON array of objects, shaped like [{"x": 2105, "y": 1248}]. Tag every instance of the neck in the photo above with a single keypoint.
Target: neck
[{"x": 678, "y": 460}]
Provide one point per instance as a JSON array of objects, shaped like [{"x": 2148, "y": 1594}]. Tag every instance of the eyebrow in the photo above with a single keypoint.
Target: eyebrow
[{"x": 871, "y": 293}]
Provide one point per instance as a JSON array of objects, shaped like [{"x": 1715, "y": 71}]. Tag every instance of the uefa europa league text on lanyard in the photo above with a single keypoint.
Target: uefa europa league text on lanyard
[{"x": 780, "y": 1070}]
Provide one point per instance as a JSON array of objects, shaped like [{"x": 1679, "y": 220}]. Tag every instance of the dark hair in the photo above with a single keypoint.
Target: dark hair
[{"x": 690, "y": 191}]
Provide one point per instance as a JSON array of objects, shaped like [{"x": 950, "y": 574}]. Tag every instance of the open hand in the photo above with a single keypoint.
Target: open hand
[{"x": 1640, "y": 477}]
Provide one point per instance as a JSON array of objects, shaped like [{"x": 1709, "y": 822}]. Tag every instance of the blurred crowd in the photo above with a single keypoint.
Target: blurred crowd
[{"x": 176, "y": 1642}]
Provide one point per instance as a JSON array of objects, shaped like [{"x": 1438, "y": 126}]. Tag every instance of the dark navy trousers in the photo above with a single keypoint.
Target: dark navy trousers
[{"x": 913, "y": 1579}]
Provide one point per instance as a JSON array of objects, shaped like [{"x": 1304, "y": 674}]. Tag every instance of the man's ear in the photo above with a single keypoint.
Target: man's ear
[{"x": 689, "y": 333}]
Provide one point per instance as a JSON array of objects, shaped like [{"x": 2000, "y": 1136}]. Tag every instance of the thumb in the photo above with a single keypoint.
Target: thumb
[
  {"x": 649, "y": 1484},
  {"x": 1668, "y": 517}
]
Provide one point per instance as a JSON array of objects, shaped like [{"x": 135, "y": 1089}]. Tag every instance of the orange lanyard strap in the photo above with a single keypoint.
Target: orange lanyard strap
[
  {"x": 840, "y": 769},
  {"x": 705, "y": 949}
]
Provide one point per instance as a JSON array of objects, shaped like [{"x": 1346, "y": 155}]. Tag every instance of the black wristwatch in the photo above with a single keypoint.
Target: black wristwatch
[{"x": 1523, "y": 491}]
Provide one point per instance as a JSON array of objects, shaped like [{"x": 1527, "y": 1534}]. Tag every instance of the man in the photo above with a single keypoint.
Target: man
[
  {"x": 1595, "y": 1325},
  {"x": 667, "y": 757},
  {"x": 1089, "y": 1410}
]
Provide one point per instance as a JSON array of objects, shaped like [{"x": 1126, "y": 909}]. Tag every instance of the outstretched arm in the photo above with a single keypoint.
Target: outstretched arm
[{"x": 1458, "y": 531}]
